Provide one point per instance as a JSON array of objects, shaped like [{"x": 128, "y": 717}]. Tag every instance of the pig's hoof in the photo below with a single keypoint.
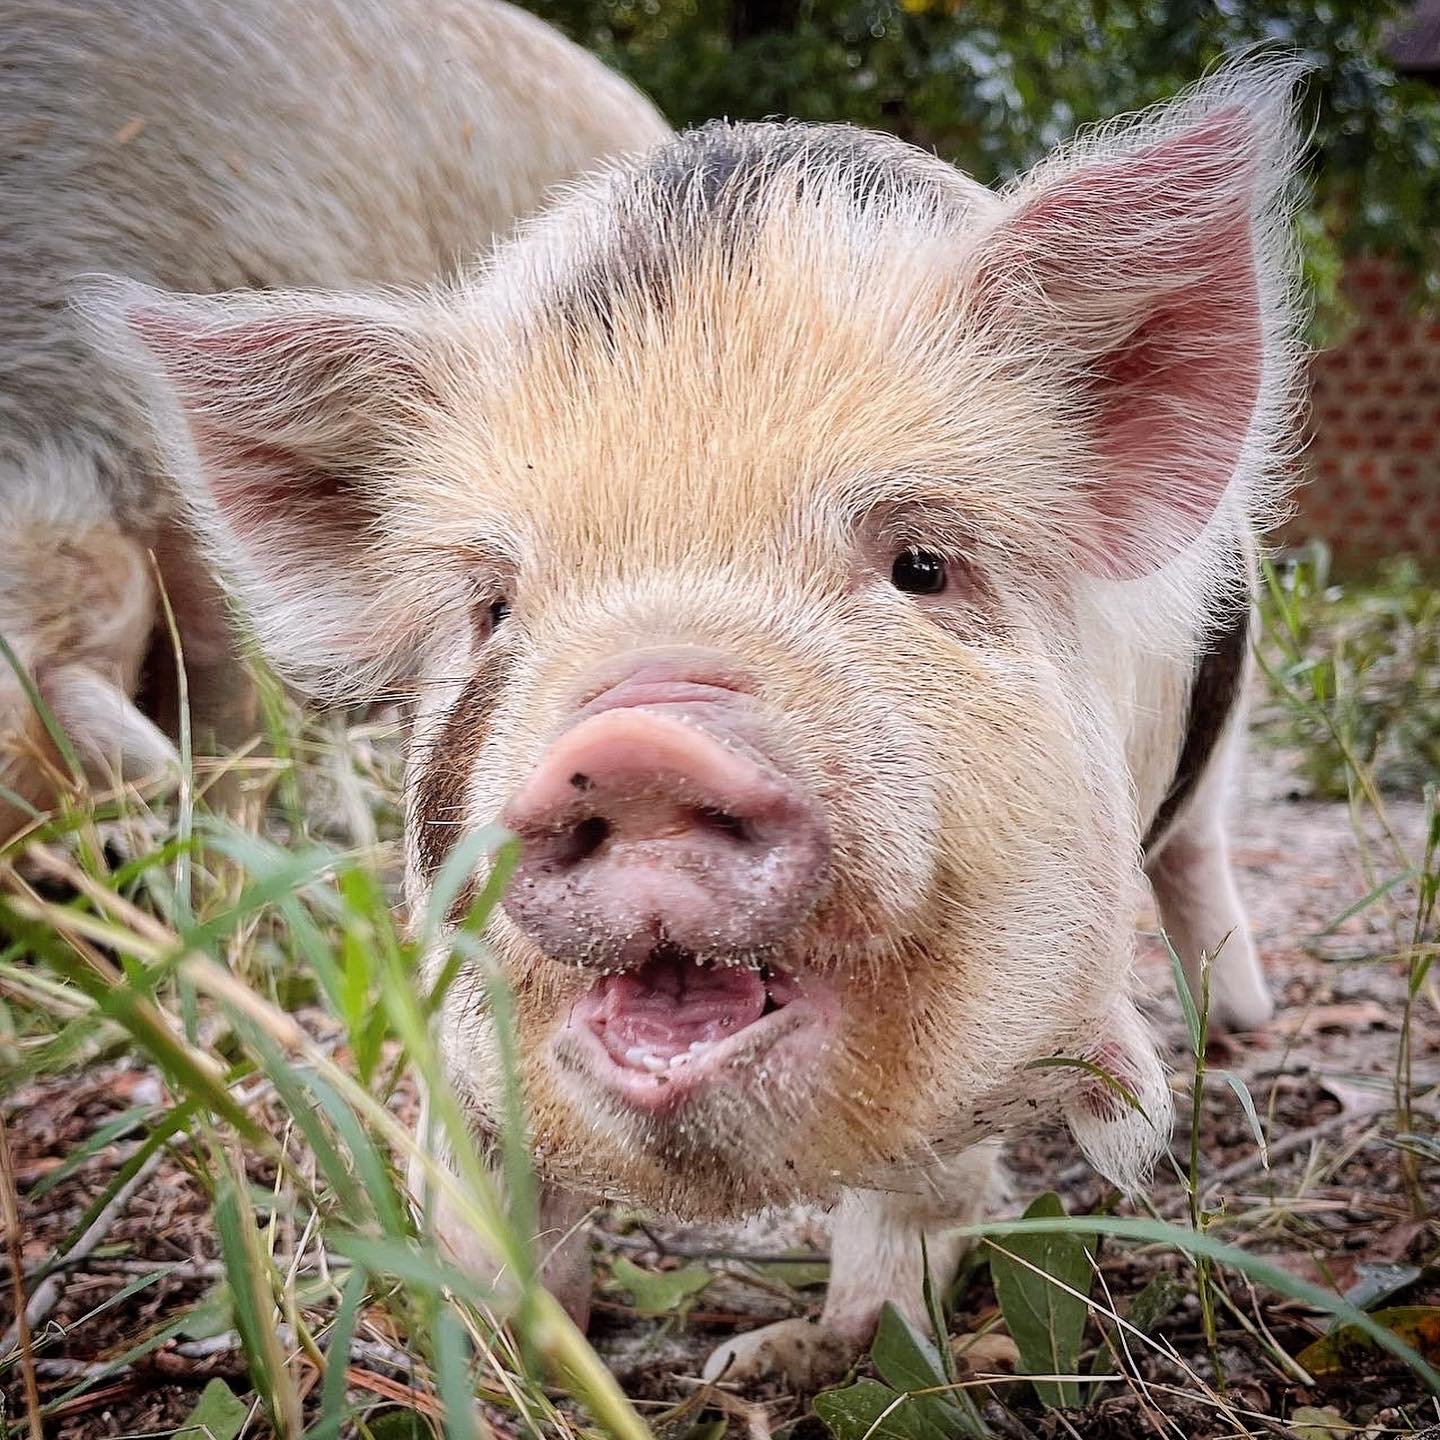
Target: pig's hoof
[
  {"x": 1242, "y": 1004},
  {"x": 1242, "y": 1019},
  {"x": 801, "y": 1355}
]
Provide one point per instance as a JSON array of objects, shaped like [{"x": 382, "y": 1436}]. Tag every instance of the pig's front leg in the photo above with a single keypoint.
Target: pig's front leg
[
  {"x": 876, "y": 1256},
  {"x": 562, "y": 1247}
]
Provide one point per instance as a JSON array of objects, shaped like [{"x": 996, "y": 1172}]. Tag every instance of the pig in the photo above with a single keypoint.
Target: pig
[
  {"x": 213, "y": 145},
  {"x": 835, "y": 574}
]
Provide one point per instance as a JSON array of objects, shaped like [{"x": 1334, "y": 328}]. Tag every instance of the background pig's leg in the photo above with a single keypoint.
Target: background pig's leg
[
  {"x": 76, "y": 604},
  {"x": 1199, "y": 907},
  {"x": 875, "y": 1257}
]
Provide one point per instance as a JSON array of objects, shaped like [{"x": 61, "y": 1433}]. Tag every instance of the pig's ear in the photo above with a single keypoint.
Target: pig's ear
[
  {"x": 1149, "y": 270},
  {"x": 281, "y": 419}
]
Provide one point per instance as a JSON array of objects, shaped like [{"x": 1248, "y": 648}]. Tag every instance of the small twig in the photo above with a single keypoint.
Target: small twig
[
  {"x": 427, "y": 1404},
  {"x": 48, "y": 1292},
  {"x": 117, "y": 1265},
  {"x": 10, "y": 1213},
  {"x": 197, "y": 1356},
  {"x": 998, "y": 1416},
  {"x": 373, "y": 1352}
]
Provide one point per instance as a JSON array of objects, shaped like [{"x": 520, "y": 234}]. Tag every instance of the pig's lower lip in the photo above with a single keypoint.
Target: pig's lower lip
[{"x": 678, "y": 1027}]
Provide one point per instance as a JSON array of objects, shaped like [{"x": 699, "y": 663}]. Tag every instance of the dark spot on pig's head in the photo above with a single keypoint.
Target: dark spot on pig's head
[
  {"x": 441, "y": 785},
  {"x": 708, "y": 190}
]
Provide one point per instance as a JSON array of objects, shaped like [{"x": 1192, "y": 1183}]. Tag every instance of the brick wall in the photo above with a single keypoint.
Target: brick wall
[{"x": 1373, "y": 463}]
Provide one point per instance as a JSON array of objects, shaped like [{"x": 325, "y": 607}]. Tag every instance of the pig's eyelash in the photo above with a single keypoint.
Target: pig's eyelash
[
  {"x": 928, "y": 543},
  {"x": 919, "y": 525},
  {"x": 944, "y": 535}
]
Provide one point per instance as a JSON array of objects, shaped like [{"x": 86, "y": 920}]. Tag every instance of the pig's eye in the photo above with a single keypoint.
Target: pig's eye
[
  {"x": 918, "y": 572},
  {"x": 487, "y": 616}
]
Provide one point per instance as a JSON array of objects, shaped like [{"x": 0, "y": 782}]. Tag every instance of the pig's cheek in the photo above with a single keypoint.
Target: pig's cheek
[
  {"x": 470, "y": 1053},
  {"x": 1123, "y": 1135},
  {"x": 886, "y": 868}
]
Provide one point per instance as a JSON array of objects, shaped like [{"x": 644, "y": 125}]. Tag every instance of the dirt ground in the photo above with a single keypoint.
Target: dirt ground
[{"x": 1332, "y": 1207}]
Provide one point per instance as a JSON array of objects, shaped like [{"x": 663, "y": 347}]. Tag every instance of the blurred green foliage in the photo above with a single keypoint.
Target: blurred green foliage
[
  {"x": 993, "y": 84},
  {"x": 1355, "y": 676}
]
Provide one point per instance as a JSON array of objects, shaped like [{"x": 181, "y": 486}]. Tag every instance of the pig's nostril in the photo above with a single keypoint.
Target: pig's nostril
[
  {"x": 583, "y": 840},
  {"x": 722, "y": 823},
  {"x": 639, "y": 824}
]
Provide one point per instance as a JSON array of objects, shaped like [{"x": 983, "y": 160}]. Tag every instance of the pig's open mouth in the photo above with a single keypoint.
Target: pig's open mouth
[{"x": 678, "y": 1025}]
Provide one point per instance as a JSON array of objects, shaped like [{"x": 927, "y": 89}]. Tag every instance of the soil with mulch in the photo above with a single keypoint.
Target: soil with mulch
[{"x": 1332, "y": 1207}]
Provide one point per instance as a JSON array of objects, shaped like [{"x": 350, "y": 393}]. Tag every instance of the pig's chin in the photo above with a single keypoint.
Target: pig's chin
[{"x": 672, "y": 1033}]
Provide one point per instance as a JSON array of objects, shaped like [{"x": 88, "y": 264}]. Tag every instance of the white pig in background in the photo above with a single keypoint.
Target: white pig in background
[
  {"x": 211, "y": 145},
  {"x": 837, "y": 574}
]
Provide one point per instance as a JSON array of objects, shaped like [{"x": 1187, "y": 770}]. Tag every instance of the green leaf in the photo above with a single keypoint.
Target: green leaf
[
  {"x": 52, "y": 726},
  {"x": 855, "y": 1414},
  {"x": 248, "y": 1268},
  {"x": 148, "y": 1346},
  {"x": 165, "y": 1129},
  {"x": 1310, "y": 1422},
  {"x": 1192, "y": 1242},
  {"x": 1147, "y": 1310},
  {"x": 904, "y": 1358},
  {"x": 709, "y": 1430},
  {"x": 908, "y": 1361},
  {"x": 112, "y": 1130},
  {"x": 1365, "y": 901},
  {"x": 1247, "y": 1104},
  {"x": 1155, "y": 1302},
  {"x": 332, "y": 1394},
  {"x": 219, "y": 1414},
  {"x": 1097, "y": 1072},
  {"x": 1187, "y": 1000},
  {"x": 452, "y": 1376},
  {"x": 660, "y": 1292},
  {"x": 1374, "y": 1284},
  {"x": 1045, "y": 1319},
  {"x": 411, "y": 1263},
  {"x": 797, "y": 1274},
  {"x": 935, "y": 1313}
]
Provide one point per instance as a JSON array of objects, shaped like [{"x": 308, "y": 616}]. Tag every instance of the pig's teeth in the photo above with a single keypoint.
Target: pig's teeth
[
  {"x": 697, "y": 1046},
  {"x": 653, "y": 1063},
  {"x": 635, "y": 1055}
]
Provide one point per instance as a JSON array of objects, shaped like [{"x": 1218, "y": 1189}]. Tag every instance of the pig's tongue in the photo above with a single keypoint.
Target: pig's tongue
[{"x": 672, "y": 1008}]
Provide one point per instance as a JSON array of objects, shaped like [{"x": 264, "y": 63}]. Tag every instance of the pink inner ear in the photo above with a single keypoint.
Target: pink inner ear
[
  {"x": 286, "y": 414},
  {"x": 1148, "y": 269},
  {"x": 259, "y": 486},
  {"x": 1172, "y": 406}
]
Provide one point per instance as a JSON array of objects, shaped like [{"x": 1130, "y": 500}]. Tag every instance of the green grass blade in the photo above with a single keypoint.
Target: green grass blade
[
  {"x": 1247, "y": 1104},
  {"x": 337, "y": 1357},
  {"x": 452, "y": 1376},
  {"x": 1187, "y": 1000}
]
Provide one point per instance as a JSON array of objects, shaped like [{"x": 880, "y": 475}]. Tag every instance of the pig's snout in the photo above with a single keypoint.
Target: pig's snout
[{"x": 657, "y": 820}]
